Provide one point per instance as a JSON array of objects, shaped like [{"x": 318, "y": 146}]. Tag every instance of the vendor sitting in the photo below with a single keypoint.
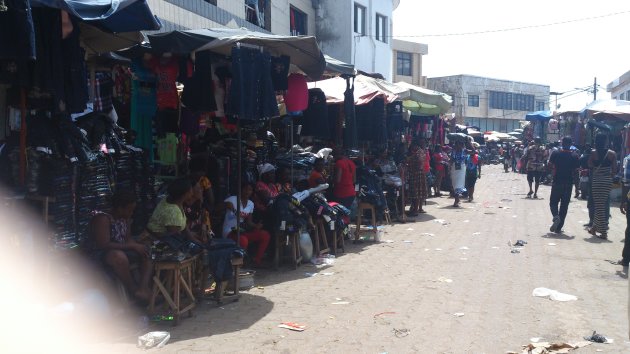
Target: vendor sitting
[
  {"x": 169, "y": 218},
  {"x": 317, "y": 176},
  {"x": 266, "y": 188},
  {"x": 250, "y": 232},
  {"x": 110, "y": 242}
]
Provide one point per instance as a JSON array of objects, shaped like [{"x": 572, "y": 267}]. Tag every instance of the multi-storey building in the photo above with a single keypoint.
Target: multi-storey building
[
  {"x": 408, "y": 62},
  {"x": 620, "y": 87},
  {"x": 491, "y": 104}
]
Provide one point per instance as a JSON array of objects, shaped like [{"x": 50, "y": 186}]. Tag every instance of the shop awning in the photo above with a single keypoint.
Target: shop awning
[
  {"x": 539, "y": 115},
  {"x": 607, "y": 109},
  {"x": 110, "y": 15},
  {"x": 337, "y": 66},
  {"x": 303, "y": 50},
  {"x": 365, "y": 89},
  {"x": 420, "y": 100}
]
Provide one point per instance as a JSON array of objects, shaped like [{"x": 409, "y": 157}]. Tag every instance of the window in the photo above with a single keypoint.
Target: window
[
  {"x": 381, "y": 28},
  {"x": 473, "y": 100},
  {"x": 628, "y": 95},
  {"x": 213, "y": 2},
  {"x": 511, "y": 101},
  {"x": 404, "y": 62},
  {"x": 299, "y": 23},
  {"x": 540, "y": 105},
  {"x": 622, "y": 96},
  {"x": 359, "y": 19},
  {"x": 255, "y": 11}
]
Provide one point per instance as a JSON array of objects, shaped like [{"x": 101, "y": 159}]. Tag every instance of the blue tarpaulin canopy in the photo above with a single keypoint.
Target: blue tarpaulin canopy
[
  {"x": 539, "y": 115},
  {"x": 109, "y": 15}
]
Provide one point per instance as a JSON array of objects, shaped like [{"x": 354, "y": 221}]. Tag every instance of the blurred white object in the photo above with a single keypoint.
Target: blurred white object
[{"x": 153, "y": 339}]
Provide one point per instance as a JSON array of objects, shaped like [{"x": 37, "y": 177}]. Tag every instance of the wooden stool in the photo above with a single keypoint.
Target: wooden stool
[
  {"x": 171, "y": 278},
  {"x": 284, "y": 237},
  {"x": 361, "y": 208},
  {"x": 338, "y": 239},
  {"x": 320, "y": 237},
  {"x": 220, "y": 296}
]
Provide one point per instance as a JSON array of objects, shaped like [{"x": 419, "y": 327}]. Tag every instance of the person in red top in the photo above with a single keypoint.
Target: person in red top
[
  {"x": 345, "y": 178},
  {"x": 440, "y": 163},
  {"x": 317, "y": 175}
]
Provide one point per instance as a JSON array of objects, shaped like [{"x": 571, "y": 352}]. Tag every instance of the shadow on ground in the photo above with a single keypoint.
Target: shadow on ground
[{"x": 560, "y": 236}]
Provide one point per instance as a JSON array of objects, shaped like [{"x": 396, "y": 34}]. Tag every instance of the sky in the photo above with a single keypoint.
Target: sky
[{"x": 564, "y": 56}]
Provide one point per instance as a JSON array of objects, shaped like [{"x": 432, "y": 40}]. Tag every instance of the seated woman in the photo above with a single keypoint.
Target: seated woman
[
  {"x": 317, "y": 176},
  {"x": 198, "y": 207},
  {"x": 251, "y": 232},
  {"x": 169, "y": 217},
  {"x": 110, "y": 242}
]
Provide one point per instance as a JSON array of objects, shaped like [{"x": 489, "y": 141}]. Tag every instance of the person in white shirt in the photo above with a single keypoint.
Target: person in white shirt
[{"x": 250, "y": 232}]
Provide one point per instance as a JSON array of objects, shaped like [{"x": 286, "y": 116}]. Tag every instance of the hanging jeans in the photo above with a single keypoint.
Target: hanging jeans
[{"x": 252, "y": 96}]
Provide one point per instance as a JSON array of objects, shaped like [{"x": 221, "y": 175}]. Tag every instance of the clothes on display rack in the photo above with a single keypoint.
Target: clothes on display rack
[
  {"x": 198, "y": 93},
  {"x": 103, "y": 90},
  {"x": 166, "y": 70},
  {"x": 296, "y": 98},
  {"x": 395, "y": 122},
  {"x": 315, "y": 121},
  {"x": 370, "y": 120},
  {"x": 280, "y": 72},
  {"x": 17, "y": 35},
  {"x": 252, "y": 96},
  {"x": 143, "y": 105}
]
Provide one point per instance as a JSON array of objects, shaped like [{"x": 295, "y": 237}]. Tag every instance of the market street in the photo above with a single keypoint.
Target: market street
[{"x": 425, "y": 275}]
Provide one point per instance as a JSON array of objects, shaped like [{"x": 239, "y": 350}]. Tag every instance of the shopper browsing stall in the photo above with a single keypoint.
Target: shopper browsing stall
[{"x": 345, "y": 178}]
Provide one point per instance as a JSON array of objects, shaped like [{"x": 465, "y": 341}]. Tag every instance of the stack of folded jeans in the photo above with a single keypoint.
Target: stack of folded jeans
[
  {"x": 94, "y": 194},
  {"x": 62, "y": 213}
]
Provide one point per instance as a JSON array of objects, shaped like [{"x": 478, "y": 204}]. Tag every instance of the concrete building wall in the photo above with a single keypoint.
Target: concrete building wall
[
  {"x": 334, "y": 28},
  {"x": 417, "y": 50},
  {"x": 483, "y": 116},
  {"x": 281, "y": 18},
  {"x": 620, "y": 88}
]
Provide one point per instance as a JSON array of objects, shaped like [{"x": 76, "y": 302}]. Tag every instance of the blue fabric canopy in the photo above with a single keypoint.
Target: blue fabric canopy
[
  {"x": 539, "y": 115},
  {"x": 110, "y": 15}
]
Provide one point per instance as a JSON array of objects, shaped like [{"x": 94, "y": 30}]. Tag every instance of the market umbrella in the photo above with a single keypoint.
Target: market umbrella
[
  {"x": 113, "y": 16},
  {"x": 303, "y": 50},
  {"x": 365, "y": 89},
  {"x": 473, "y": 133},
  {"x": 96, "y": 41},
  {"x": 607, "y": 109},
  {"x": 538, "y": 115},
  {"x": 336, "y": 66},
  {"x": 515, "y": 133},
  {"x": 423, "y": 98}
]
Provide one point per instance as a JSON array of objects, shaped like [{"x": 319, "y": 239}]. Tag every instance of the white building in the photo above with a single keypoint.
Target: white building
[
  {"x": 408, "y": 62},
  {"x": 284, "y": 17},
  {"x": 491, "y": 104},
  {"x": 357, "y": 32},
  {"x": 620, "y": 87}
]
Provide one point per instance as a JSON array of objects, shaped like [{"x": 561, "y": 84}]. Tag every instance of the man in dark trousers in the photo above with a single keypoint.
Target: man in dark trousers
[{"x": 564, "y": 163}]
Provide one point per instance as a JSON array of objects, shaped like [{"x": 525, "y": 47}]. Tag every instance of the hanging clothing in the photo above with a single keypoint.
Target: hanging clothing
[
  {"x": 280, "y": 72},
  {"x": 198, "y": 93},
  {"x": 252, "y": 96},
  {"x": 315, "y": 119},
  {"x": 103, "y": 90},
  {"x": 296, "y": 97},
  {"x": 17, "y": 33},
  {"x": 166, "y": 70},
  {"x": 143, "y": 105}
]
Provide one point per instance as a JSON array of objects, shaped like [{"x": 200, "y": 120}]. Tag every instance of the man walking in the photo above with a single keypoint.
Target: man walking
[
  {"x": 625, "y": 209},
  {"x": 564, "y": 163},
  {"x": 534, "y": 156}
]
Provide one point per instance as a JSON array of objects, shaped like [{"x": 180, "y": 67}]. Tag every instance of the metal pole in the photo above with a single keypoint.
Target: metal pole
[
  {"x": 239, "y": 191},
  {"x": 291, "y": 151},
  {"x": 23, "y": 137}
]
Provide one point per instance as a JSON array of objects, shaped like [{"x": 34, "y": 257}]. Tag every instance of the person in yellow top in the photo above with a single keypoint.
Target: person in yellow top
[{"x": 169, "y": 217}]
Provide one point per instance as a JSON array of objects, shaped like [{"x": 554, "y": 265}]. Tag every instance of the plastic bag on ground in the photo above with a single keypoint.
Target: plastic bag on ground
[
  {"x": 153, "y": 339},
  {"x": 553, "y": 294}
]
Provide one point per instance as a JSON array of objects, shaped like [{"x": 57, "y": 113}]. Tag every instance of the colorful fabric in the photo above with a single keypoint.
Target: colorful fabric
[
  {"x": 313, "y": 178},
  {"x": 166, "y": 214},
  {"x": 535, "y": 157},
  {"x": 417, "y": 177},
  {"x": 103, "y": 90},
  {"x": 166, "y": 72}
]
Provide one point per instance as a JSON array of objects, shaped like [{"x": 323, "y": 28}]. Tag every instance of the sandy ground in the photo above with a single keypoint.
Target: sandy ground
[{"x": 424, "y": 272}]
